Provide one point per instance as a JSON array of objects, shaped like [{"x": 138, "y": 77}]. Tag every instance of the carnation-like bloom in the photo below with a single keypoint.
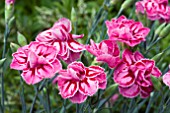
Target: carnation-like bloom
[
  {"x": 166, "y": 78},
  {"x": 8, "y": 2},
  {"x": 154, "y": 9},
  {"x": 78, "y": 82},
  {"x": 127, "y": 31},
  {"x": 60, "y": 37},
  {"x": 37, "y": 61},
  {"x": 133, "y": 75},
  {"x": 106, "y": 51}
]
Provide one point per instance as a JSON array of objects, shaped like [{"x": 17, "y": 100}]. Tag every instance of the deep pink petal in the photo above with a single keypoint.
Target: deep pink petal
[
  {"x": 93, "y": 71},
  {"x": 125, "y": 78},
  {"x": 130, "y": 92},
  {"x": 78, "y": 98},
  {"x": 145, "y": 91},
  {"x": 109, "y": 59},
  {"x": 156, "y": 72}
]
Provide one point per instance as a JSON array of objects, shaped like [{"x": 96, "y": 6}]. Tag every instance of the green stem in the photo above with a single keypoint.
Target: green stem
[
  {"x": 22, "y": 96},
  {"x": 6, "y": 34},
  {"x": 77, "y": 108},
  {"x": 35, "y": 97}
]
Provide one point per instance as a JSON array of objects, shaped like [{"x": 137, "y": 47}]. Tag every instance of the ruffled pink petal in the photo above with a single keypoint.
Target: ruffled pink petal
[
  {"x": 78, "y": 98},
  {"x": 73, "y": 56},
  {"x": 130, "y": 92},
  {"x": 65, "y": 22},
  {"x": 93, "y": 71},
  {"x": 46, "y": 36},
  {"x": 125, "y": 78},
  {"x": 128, "y": 56},
  {"x": 30, "y": 77},
  {"x": 145, "y": 91},
  {"x": 109, "y": 59},
  {"x": 166, "y": 78},
  {"x": 48, "y": 52},
  {"x": 61, "y": 47},
  {"x": 68, "y": 89},
  {"x": 156, "y": 72},
  {"x": 19, "y": 61},
  {"x": 57, "y": 66},
  {"x": 88, "y": 86},
  {"x": 102, "y": 80},
  {"x": 74, "y": 36},
  {"x": 75, "y": 46}
]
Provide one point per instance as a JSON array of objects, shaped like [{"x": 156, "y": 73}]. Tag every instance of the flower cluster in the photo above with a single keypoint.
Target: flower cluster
[
  {"x": 78, "y": 81},
  {"x": 41, "y": 59},
  {"x": 154, "y": 9},
  {"x": 126, "y": 31}
]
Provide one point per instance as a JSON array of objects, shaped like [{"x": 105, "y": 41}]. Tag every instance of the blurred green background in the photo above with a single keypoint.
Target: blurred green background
[{"x": 34, "y": 16}]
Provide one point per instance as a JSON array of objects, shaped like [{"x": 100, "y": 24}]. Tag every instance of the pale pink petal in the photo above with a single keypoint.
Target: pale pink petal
[
  {"x": 68, "y": 89},
  {"x": 65, "y": 22},
  {"x": 77, "y": 36},
  {"x": 166, "y": 78},
  {"x": 57, "y": 66},
  {"x": 88, "y": 86},
  {"x": 30, "y": 77},
  {"x": 75, "y": 46}
]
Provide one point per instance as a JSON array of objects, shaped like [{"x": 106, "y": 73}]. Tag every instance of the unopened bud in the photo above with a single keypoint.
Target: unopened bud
[
  {"x": 159, "y": 29},
  {"x": 158, "y": 56},
  {"x": 14, "y": 47},
  {"x": 73, "y": 15},
  {"x": 127, "y": 4},
  {"x": 110, "y": 90},
  {"x": 165, "y": 31}
]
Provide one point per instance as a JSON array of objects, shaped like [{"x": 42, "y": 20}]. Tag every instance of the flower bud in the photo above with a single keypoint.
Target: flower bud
[
  {"x": 126, "y": 4},
  {"x": 158, "y": 56},
  {"x": 159, "y": 29},
  {"x": 9, "y": 9},
  {"x": 14, "y": 47},
  {"x": 73, "y": 15},
  {"x": 21, "y": 39},
  {"x": 9, "y": 2},
  {"x": 165, "y": 31},
  {"x": 110, "y": 90},
  {"x": 114, "y": 2}
]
